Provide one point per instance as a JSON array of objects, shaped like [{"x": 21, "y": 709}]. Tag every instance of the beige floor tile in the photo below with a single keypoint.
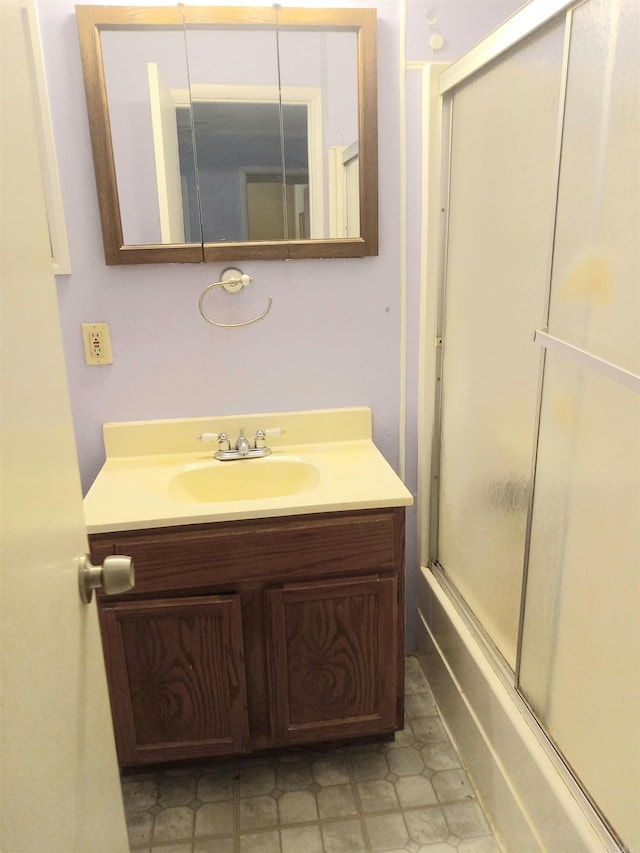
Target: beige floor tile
[
  {"x": 213, "y": 845},
  {"x": 256, "y": 780},
  {"x": 415, "y": 681},
  {"x": 426, "y": 826},
  {"x": 331, "y": 770},
  {"x": 411, "y": 664},
  {"x": 173, "y": 824},
  {"x": 415, "y": 791},
  {"x": 466, "y": 819},
  {"x": 386, "y": 832},
  {"x": 260, "y": 842},
  {"x": 302, "y": 839},
  {"x": 258, "y": 813},
  {"x": 420, "y": 705},
  {"x": 294, "y": 776},
  {"x": 336, "y": 801},
  {"x": 297, "y": 807},
  {"x": 369, "y": 765},
  {"x": 452, "y": 785},
  {"x": 215, "y": 787},
  {"x": 177, "y": 791},
  {"x": 440, "y": 756},
  {"x": 377, "y": 796},
  {"x": 138, "y": 796},
  {"x": 139, "y": 828},
  {"x": 429, "y": 730},
  {"x": 402, "y": 738},
  {"x": 405, "y": 762},
  {"x": 343, "y": 837},
  {"x": 215, "y": 818}
]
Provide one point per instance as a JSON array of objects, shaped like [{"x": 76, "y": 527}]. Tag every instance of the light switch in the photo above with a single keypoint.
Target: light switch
[{"x": 97, "y": 346}]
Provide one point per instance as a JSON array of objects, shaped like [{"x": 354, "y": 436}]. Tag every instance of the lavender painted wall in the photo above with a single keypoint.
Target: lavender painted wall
[
  {"x": 333, "y": 335},
  {"x": 331, "y": 339}
]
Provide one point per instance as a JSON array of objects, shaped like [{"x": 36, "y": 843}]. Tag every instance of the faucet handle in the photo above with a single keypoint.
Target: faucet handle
[
  {"x": 208, "y": 436},
  {"x": 261, "y": 436},
  {"x": 221, "y": 437}
]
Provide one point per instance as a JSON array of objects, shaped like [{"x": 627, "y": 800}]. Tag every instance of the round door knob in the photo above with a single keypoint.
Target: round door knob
[{"x": 115, "y": 575}]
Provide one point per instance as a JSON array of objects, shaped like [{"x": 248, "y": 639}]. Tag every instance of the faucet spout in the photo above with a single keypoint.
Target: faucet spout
[{"x": 242, "y": 444}]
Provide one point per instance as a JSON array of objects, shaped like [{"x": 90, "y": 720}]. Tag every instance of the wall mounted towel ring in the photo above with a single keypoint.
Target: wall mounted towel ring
[{"x": 233, "y": 281}]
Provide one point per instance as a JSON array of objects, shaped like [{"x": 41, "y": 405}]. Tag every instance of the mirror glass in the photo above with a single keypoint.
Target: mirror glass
[
  {"x": 235, "y": 107},
  {"x": 325, "y": 63},
  {"x": 238, "y": 137},
  {"x": 141, "y": 69}
]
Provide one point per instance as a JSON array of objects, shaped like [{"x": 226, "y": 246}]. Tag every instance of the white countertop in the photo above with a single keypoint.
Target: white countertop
[{"x": 132, "y": 489}]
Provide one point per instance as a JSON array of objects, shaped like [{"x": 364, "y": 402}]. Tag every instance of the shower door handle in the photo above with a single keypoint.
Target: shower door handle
[{"x": 115, "y": 575}]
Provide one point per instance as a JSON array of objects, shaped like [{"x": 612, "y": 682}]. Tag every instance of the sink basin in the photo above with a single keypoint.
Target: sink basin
[{"x": 243, "y": 480}]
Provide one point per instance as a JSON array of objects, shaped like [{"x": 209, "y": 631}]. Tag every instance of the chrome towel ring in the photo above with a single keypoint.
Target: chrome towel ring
[{"x": 233, "y": 281}]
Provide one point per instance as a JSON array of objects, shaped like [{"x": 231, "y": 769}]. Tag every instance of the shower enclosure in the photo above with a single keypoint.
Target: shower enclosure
[{"x": 534, "y": 452}]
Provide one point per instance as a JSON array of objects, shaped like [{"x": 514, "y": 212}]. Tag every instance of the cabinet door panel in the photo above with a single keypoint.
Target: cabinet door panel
[
  {"x": 176, "y": 677},
  {"x": 333, "y": 650}
]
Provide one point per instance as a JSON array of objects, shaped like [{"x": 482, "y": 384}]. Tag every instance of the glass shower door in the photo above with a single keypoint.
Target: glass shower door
[
  {"x": 501, "y": 205},
  {"x": 581, "y": 635},
  {"x": 541, "y": 372}
]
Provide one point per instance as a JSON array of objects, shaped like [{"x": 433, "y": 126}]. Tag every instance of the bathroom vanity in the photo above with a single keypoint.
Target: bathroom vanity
[{"x": 253, "y": 624}]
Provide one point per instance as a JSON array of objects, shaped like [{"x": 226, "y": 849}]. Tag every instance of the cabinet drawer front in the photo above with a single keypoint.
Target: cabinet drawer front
[
  {"x": 333, "y": 653},
  {"x": 194, "y": 558},
  {"x": 176, "y": 679}
]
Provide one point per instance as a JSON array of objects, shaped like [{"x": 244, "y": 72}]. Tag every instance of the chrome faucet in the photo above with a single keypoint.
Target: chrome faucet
[
  {"x": 242, "y": 444},
  {"x": 243, "y": 448}
]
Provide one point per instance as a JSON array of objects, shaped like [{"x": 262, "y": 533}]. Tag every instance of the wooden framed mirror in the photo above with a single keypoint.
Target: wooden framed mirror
[{"x": 232, "y": 133}]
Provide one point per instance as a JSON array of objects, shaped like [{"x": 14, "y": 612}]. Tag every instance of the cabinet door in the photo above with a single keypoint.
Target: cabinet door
[
  {"x": 333, "y": 659},
  {"x": 176, "y": 677}
]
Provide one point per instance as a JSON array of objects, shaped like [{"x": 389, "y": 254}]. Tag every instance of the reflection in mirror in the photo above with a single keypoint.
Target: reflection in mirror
[
  {"x": 236, "y": 131},
  {"x": 141, "y": 68},
  {"x": 329, "y": 62},
  {"x": 240, "y": 176},
  {"x": 225, "y": 133}
]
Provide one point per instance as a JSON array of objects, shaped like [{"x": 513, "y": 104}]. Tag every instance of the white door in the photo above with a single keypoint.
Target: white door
[
  {"x": 164, "y": 124},
  {"x": 344, "y": 190},
  {"x": 60, "y": 789},
  {"x": 351, "y": 165}
]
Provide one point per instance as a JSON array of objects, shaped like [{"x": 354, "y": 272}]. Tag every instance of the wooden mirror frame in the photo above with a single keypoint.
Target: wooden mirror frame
[{"x": 92, "y": 19}]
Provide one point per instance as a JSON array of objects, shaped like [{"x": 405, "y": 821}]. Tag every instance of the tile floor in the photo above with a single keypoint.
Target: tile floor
[{"x": 410, "y": 794}]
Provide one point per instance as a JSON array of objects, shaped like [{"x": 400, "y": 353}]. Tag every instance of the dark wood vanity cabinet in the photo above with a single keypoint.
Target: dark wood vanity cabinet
[{"x": 249, "y": 635}]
